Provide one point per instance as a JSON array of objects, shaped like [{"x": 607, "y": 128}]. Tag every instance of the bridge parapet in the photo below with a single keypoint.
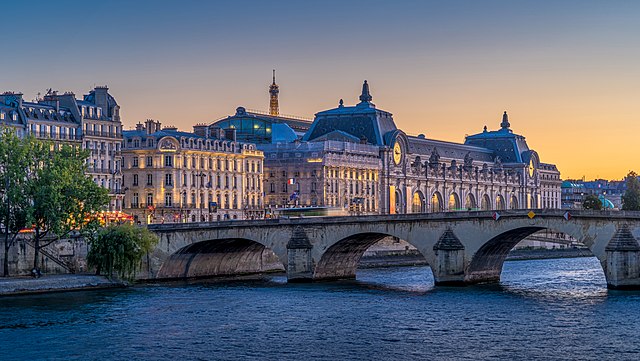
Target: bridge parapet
[{"x": 467, "y": 247}]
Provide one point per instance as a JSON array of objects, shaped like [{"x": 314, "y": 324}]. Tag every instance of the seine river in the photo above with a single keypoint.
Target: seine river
[{"x": 543, "y": 309}]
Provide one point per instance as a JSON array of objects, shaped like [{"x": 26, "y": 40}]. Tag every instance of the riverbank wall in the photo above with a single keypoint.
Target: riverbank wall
[
  {"x": 55, "y": 283},
  {"x": 60, "y": 257}
]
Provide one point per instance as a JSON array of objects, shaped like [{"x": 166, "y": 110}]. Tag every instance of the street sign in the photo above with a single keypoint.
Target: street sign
[
  {"x": 567, "y": 216},
  {"x": 496, "y": 216},
  {"x": 531, "y": 214}
]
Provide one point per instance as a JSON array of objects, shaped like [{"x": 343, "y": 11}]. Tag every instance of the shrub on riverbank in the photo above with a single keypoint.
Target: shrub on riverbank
[{"x": 119, "y": 249}]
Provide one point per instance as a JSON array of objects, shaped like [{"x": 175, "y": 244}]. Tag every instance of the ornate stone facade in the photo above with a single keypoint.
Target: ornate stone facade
[
  {"x": 356, "y": 156},
  {"x": 92, "y": 122},
  {"x": 174, "y": 176}
]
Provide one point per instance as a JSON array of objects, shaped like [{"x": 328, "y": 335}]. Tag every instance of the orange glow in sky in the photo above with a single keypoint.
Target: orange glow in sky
[{"x": 566, "y": 71}]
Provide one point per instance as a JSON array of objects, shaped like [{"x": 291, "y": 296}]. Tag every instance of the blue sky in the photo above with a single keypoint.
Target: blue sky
[{"x": 565, "y": 70}]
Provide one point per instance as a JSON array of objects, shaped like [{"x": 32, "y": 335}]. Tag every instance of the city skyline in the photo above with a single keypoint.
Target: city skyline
[{"x": 565, "y": 72}]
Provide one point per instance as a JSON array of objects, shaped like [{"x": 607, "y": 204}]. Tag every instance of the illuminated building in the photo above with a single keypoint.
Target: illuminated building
[
  {"x": 92, "y": 122},
  {"x": 175, "y": 176},
  {"x": 354, "y": 157}
]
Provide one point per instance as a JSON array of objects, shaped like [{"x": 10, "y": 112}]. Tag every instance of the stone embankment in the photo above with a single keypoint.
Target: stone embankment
[{"x": 55, "y": 283}]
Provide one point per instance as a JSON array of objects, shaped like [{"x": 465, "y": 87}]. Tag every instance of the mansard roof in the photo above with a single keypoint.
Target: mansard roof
[
  {"x": 510, "y": 147},
  {"x": 424, "y": 146},
  {"x": 362, "y": 121}
]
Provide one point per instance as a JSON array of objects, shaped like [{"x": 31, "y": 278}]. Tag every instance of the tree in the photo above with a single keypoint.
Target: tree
[
  {"x": 592, "y": 202},
  {"x": 631, "y": 197},
  {"x": 16, "y": 161},
  {"x": 63, "y": 198},
  {"x": 119, "y": 249}
]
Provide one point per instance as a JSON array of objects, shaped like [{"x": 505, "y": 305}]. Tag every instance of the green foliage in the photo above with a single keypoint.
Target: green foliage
[
  {"x": 592, "y": 202},
  {"x": 45, "y": 188},
  {"x": 631, "y": 197},
  {"x": 64, "y": 198},
  {"x": 16, "y": 164},
  {"x": 120, "y": 249}
]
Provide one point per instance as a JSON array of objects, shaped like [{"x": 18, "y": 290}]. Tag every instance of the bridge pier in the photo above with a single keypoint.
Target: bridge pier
[
  {"x": 622, "y": 265},
  {"x": 448, "y": 269},
  {"x": 299, "y": 261}
]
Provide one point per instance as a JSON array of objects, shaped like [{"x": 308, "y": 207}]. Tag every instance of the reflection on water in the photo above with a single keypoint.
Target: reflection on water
[{"x": 549, "y": 309}]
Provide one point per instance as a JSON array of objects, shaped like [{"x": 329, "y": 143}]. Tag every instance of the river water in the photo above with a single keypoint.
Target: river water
[{"x": 542, "y": 309}]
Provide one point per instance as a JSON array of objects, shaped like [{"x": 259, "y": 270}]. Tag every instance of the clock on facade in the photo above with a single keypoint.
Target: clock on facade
[
  {"x": 397, "y": 153},
  {"x": 531, "y": 168}
]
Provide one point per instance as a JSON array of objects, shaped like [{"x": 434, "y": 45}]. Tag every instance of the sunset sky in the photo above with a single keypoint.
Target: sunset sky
[{"x": 567, "y": 72}]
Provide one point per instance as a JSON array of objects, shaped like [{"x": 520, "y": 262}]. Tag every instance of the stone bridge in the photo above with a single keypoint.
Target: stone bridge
[{"x": 460, "y": 247}]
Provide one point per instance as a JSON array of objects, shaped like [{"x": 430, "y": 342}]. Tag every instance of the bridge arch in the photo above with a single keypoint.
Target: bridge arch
[
  {"x": 340, "y": 260},
  {"x": 487, "y": 262},
  {"x": 220, "y": 257}
]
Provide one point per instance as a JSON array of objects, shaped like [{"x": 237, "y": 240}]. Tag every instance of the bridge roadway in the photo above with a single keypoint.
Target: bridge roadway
[{"x": 460, "y": 247}]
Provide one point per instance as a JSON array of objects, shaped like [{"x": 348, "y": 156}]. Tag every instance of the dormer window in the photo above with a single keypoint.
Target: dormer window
[{"x": 1, "y": 115}]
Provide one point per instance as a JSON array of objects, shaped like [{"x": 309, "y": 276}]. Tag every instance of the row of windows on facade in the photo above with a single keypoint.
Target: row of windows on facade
[
  {"x": 91, "y": 112},
  {"x": 252, "y": 182},
  {"x": 215, "y": 145},
  {"x": 101, "y": 129},
  {"x": 110, "y": 184},
  {"x": 102, "y": 146},
  {"x": 353, "y": 188},
  {"x": 223, "y": 200},
  {"x": 103, "y": 165},
  {"x": 52, "y": 131},
  {"x": 255, "y": 167},
  {"x": 333, "y": 173},
  {"x": 36, "y": 114}
]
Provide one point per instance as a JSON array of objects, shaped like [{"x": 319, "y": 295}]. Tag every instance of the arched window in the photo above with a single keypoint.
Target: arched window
[
  {"x": 454, "y": 202},
  {"x": 514, "y": 202},
  {"x": 417, "y": 204},
  {"x": 436, "y": 202},
  {"x": 470, "y": 202},
  {"x": 485, "y": 205},
  {"x": 500, "y": 203}
]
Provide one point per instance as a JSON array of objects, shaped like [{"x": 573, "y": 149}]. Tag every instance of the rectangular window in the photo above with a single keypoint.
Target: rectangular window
[
  {"x": 149, "y": 199},
  {"x": 149, "y": 179},
  {"x": 168, "y": 161},
  {"x": 168, "y": 179},
  {"x": 149, "y": 162},
  {"x": 135, "y": 162},
  {"x": 168, "y": 200},
  {"x": 135, "y": 180},
  {"x": 134, "y": 200}
]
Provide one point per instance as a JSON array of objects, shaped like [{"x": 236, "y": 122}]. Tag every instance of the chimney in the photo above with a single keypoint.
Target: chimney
[
  {"x": 139, "y": 126},
  {"x": 201, "y": 130},
  {"x": 151, "y": 126}
]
